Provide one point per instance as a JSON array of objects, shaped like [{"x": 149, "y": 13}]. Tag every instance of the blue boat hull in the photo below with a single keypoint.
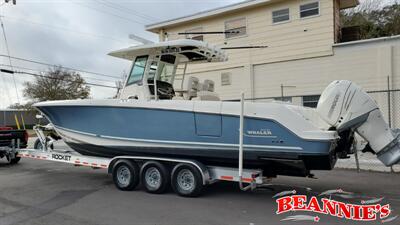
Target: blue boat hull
[{"x": 210, "y": 138}]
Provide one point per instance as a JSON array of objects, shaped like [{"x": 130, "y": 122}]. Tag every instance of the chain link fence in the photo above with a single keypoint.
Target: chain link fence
[{"x": 389, "y": 103}]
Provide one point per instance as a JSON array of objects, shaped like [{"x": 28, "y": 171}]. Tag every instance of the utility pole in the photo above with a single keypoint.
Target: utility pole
[{"x": 14, "y": 2}]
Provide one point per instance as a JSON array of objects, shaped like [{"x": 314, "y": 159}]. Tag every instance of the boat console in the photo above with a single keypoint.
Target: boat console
[{"x": 159, "y": 71}]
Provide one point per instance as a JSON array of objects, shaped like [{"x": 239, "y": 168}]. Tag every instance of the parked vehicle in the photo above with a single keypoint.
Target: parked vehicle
[
  {"x": 7, "y": 134},
  {"x": 12, "y": 138}
]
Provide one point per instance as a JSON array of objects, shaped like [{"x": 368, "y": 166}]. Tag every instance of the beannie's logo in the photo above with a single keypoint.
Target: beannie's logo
[{"x": 362, "y": 212}]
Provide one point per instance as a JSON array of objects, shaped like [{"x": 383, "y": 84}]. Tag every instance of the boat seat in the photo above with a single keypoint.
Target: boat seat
[
  {"x": 207, "y": 92},
  {"x": 191, "y": 86},
  {"x": 208, "y": 85},
  {"x": 207, "y": 96}
]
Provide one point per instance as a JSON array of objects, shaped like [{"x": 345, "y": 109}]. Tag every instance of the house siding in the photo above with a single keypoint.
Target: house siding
[{"x": 296, "y": 39}]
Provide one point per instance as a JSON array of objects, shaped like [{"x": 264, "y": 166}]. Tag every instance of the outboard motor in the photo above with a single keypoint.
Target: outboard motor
[{"x": 344, "y": 106}]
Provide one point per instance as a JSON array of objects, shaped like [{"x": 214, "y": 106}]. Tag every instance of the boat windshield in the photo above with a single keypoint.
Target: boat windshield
[
  {"x": 138, "y": 69},
  {"x": 164, "y": 73}
]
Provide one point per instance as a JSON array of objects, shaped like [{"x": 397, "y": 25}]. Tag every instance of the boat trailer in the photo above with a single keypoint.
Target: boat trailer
[{"x": 123, "y": 177}]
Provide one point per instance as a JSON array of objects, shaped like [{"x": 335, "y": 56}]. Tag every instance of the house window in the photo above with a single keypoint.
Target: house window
[
  {"x": 236, "y": 26},
  {"x": 192, "y": 34},
  {"x": 279, "y": 16},
  {"x": 311, "y": 101},
  {"x": 225, "y": 78},
  {"x": 309, "y": 9},
  {"x": 284, "y": 99}
]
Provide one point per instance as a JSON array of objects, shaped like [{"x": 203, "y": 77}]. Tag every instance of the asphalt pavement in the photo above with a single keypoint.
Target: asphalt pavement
[{"x": 40, "y": 192}]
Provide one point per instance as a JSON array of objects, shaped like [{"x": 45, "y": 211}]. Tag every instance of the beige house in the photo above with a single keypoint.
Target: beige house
[{"x": 304, "y": 52}]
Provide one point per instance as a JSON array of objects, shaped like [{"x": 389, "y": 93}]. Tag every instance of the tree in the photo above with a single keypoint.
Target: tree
[
  {"x": 21, "y": 106},
  {"x": 56, "y": 84},
  {"x": 373, "y": 18},
  {"x": 120, "y": 84}
]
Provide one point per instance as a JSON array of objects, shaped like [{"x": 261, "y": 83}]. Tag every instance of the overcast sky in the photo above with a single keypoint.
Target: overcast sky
[{"x": 79, "y": 34}]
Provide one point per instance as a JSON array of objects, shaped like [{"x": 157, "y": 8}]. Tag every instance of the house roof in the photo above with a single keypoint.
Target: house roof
[
  {"x": 208, "y": 13},
  {"x": 155, "y": 27}
]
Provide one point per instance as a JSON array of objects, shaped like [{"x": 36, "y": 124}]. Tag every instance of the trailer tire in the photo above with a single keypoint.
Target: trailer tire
[
  {"x": 155, "y": 177},
  {"x": 125, "y": 175},
  {"x": 187, "y": 180}
]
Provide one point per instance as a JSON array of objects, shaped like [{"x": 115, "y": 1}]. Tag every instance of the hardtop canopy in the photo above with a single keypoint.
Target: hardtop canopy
[{"x": 193, "y": 50}]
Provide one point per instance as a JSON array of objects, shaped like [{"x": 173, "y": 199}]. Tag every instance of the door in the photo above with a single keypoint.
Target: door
[{"x": 208, "y": 119}]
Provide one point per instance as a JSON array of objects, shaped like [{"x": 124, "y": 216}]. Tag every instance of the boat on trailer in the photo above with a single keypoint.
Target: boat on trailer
[{"x": 164, "y": 112}]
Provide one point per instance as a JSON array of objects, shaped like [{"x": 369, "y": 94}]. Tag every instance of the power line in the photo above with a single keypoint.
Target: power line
[
  {"x": 125, "y": 10},
  {"x": 244, "y": 47},
  {"x": 208, "y": 32},
  {"x": 20, "y": 20},
  {"x": 9, "y": 57},
  {"x": 53, "y": 65},
  {"x": 40, "y": 71},
  {"x": 108, "y": 13},
  {"x": 130, "y": 10},
  {"x": 54, "y": 78}
]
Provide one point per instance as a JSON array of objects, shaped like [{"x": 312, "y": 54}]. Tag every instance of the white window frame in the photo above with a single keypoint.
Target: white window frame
[
  {"x": 281, "y": 22},
  {"x": 311, "y": 2},
  {"x": 239, "y": 35}
]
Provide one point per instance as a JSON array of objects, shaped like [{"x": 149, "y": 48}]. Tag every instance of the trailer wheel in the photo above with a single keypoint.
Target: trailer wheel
[
  {"x": 154, "y": 177},
  {"x": 187, "y": 180},
  {"x": 126, "y": 175}
]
